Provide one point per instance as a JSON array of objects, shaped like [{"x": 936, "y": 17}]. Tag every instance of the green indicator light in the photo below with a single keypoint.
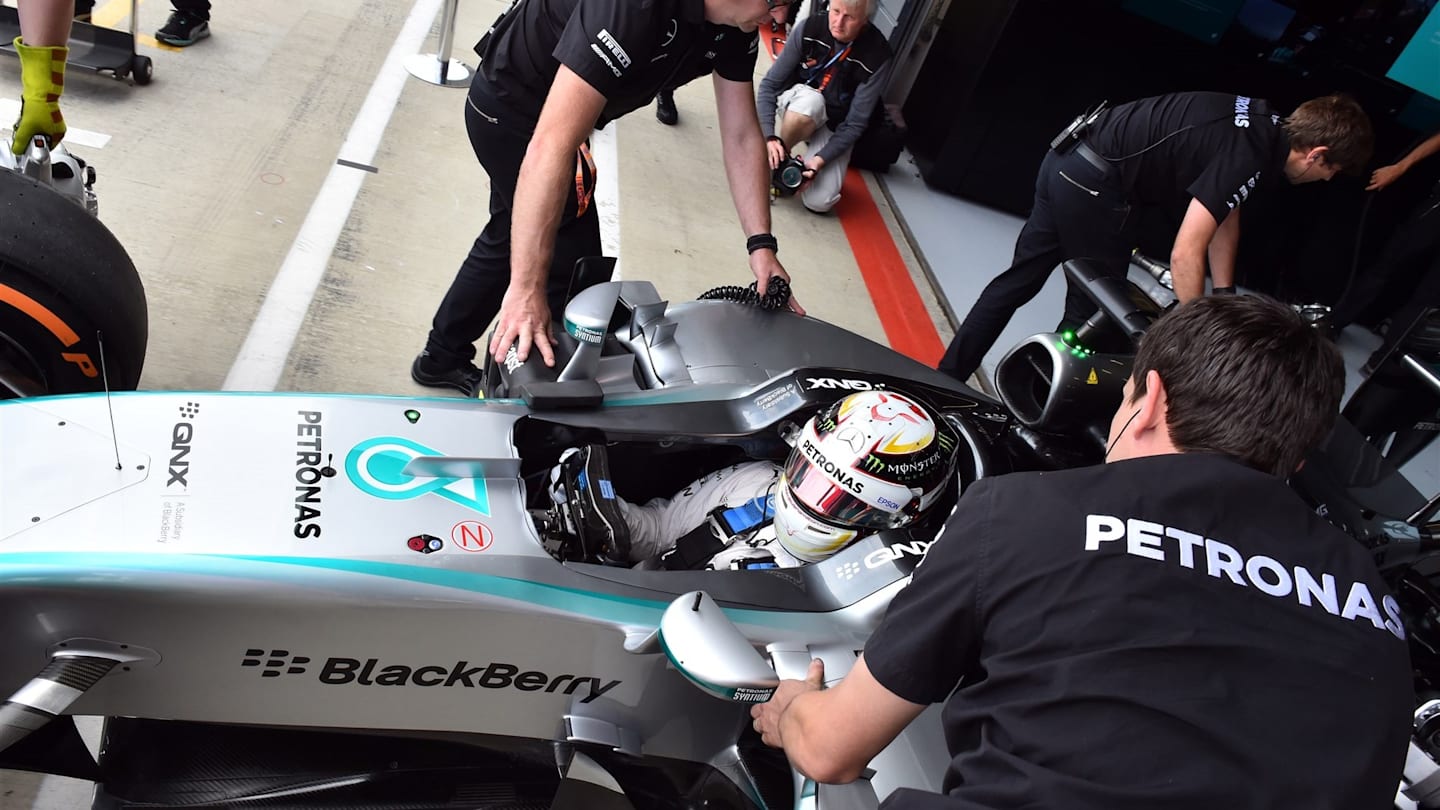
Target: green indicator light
[{"x": 412, "y": 415}]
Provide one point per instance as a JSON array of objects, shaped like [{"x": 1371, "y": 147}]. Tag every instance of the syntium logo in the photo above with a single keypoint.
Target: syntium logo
[
  {"x": 181, "y": 435},
  {"x": 463, "y": 674}
]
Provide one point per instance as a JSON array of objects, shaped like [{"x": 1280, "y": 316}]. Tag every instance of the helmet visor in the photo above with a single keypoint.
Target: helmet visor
[{"x": 834, "y": 503}]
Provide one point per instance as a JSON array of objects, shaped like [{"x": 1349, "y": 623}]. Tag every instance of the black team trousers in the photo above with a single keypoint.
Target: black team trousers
[
  {"x": 1080, "y": 211},
  {"x": 499, "y": 138}
]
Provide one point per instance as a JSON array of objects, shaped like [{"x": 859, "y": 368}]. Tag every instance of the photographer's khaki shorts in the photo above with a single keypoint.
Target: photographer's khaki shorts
[{"x": 824, "y": 190}]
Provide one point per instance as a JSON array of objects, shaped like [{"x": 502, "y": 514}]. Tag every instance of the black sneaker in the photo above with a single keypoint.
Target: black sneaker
[
  {"x": 466, "y": 379},
  {"x": 591, "y": 494},
  {"x": 665, "y": 111},
  {"x": 183, "y": 29}
]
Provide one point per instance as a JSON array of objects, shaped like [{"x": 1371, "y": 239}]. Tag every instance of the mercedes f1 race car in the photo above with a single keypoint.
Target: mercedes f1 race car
[
  {"x": 283, "y": 599},
  {"x": 295, "y": 600}
]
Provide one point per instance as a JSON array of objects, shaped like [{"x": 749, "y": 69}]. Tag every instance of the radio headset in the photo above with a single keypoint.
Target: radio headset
[{"x": 1072, "y": 134}]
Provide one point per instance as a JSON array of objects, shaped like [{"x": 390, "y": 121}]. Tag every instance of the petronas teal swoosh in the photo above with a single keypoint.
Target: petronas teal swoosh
[{"x": 33, "y": 568}]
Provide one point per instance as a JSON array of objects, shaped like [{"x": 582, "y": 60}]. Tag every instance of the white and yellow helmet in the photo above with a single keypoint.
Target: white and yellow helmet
[{"x": 874, "y": 460}]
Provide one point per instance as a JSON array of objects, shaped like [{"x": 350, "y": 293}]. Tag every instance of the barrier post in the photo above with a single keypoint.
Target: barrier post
[{"x": 439, "y": 68}]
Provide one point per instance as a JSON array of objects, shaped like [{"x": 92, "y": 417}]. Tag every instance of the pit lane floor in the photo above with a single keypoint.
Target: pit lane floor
[{"x": 291, "y": 144}]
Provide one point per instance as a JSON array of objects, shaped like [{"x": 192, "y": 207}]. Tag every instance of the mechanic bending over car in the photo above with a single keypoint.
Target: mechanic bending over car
[
  {"x": 1173, "y": 628},
  {"x": 551, "y": 71},
  {"x": 1215, "y": 150},
  {"x": 873, "y": 460},
  {"x": 43, "y": 47}
]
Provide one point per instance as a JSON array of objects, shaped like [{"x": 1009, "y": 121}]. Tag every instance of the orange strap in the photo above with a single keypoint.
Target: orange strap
[
  {"x": 582, "y": 194},
  {"x": 831, "y": 65}
]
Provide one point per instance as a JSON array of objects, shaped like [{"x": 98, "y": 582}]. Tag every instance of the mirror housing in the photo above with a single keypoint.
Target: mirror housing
[{"x": 710, "y": 651}]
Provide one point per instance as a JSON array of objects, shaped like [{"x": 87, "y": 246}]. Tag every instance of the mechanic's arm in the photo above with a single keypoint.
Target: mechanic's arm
[
  {"x": 1187, "y": 257},
  {"x": 1224, "y": 246},
  {"x": 1385, "y": 175},
  {"x": 831, "y": 735},
  {"x": 547, "y": 175},
  {"x": 45, "y": 22},
  {"x": 43, "y": 50},
  {"x": 748, "y": 172}
]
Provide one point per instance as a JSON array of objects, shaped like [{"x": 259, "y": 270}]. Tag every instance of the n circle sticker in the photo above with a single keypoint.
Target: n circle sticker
[{"x": 472, "y": 535}]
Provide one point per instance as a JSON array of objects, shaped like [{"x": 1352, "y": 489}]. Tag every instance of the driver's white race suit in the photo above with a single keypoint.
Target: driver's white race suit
[{"x": 657, "y": 524}]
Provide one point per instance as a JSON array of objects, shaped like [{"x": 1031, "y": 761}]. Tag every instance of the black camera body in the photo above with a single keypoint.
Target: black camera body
[{"x": 787, "y": 178}]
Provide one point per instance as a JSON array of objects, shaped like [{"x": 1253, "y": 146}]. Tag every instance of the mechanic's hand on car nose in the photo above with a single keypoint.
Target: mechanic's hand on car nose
[
  {"x": 767, "y": 715},
  {"x": 764, "y": 265},
  {"x": 524, "y": 321}
]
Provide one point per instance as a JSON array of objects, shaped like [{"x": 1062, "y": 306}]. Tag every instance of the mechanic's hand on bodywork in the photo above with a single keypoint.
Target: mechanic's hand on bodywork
[
  {"x": 767, "y": 715},
  {"x": 524, "y": 322},
  {"x": 765, "y": 266}
]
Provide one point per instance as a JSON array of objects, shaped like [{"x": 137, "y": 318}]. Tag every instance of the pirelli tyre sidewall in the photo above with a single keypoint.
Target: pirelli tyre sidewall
[{"x": 63, "y": 279}]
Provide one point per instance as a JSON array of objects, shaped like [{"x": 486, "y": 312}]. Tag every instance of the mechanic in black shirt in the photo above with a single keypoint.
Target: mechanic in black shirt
[
  {"x": 1207, "y": 152},
  {"x": 551, "y": 71},
  {"x": 1174, "y": 628}
]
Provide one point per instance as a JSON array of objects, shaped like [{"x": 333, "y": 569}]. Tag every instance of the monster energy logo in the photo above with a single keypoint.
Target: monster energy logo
[{"x": 903, "y": 469}]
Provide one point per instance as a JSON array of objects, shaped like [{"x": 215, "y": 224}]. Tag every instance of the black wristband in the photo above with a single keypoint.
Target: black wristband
[
  {"x": 777, "y": 139},
  {"x": 1223, "y": 290},
  {"x": 762, "y": 241}
]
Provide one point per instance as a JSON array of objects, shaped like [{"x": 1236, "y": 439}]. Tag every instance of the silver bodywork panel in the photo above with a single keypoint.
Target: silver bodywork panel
[{"x": 353, "y": 562}]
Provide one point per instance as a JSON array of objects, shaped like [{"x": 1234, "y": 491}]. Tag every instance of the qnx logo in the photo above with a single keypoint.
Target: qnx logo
[
  {"x": 180, "y": 437},
  {"x": 277, "y": 663}
]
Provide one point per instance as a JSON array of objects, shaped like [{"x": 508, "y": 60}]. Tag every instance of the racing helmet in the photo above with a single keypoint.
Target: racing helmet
[{"x": 873, "y": 460}]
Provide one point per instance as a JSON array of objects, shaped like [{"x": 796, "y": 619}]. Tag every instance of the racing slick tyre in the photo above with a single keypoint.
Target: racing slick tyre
[{"x": 67, "y": 290}]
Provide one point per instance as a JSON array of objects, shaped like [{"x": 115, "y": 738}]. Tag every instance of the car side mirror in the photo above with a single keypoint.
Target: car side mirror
[{"x": 710, "y": 651}]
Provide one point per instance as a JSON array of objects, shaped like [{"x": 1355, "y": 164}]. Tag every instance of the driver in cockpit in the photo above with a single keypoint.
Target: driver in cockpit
[{"x": 873, "y": 460}]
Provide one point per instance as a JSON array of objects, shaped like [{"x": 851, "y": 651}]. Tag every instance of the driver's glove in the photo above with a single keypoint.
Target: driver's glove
[{"x": 42, "y": 80}]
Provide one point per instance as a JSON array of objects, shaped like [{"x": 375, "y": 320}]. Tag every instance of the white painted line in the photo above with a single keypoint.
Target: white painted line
[
  {"x": 261, "y": 361},
  {"x": 74, "y": 136},
  {"x": 607, "y": 192}
]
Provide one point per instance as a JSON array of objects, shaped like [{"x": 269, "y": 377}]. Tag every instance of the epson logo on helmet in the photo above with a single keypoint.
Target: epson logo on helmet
[{"x": 842, "y": 476}]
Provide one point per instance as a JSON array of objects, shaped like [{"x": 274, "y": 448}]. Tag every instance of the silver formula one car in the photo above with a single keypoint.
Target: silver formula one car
[{"x": 296, "y": 600}]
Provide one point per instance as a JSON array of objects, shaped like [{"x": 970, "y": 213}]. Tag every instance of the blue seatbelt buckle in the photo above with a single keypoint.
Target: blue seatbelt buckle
[{"x": 735, "y": 520}]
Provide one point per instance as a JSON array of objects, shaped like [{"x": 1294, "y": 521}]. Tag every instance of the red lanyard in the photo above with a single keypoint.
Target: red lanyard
[
  {"x": 583, "y": 195},
  {"x": 829, "y": 67}
]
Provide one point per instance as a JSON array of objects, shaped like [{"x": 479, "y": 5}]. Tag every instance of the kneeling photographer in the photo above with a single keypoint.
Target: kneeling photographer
[{"x": 821, "y": 90}]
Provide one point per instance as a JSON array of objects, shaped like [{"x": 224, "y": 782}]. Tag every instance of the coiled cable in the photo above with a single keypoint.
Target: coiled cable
[{"x": 776, "y": 297}]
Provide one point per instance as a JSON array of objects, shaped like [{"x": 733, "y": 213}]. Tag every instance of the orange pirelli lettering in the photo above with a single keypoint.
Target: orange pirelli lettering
[
  {"x": 39, "y": 313},
  {"x": 87, "y": 366}
]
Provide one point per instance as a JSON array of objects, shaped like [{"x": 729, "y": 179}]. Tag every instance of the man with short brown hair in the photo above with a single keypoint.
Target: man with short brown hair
[{"x": 1172, "y": 629}]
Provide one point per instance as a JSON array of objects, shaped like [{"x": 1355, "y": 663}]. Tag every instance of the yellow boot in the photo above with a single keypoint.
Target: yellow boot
[{"x": 42, "y": 80}]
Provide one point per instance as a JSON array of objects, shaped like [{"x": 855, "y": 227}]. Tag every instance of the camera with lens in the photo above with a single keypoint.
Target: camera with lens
[{"x": 786, "y": 178}]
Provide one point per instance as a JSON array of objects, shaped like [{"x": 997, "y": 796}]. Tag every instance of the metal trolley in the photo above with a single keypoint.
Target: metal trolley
[{"x": 108, "y": 51}]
